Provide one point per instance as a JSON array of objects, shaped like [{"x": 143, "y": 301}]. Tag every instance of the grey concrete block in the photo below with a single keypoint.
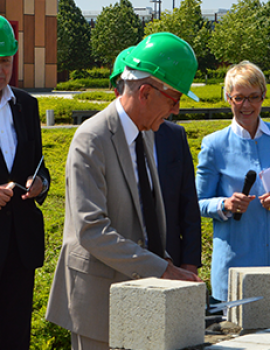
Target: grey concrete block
[
  {"x": 151, "y": 314},
  {"x": 246, "y": 282}
]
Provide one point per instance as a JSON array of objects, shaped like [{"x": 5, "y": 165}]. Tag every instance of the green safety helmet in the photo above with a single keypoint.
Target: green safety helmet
[
  {"x": 168, "y": 58},
  {"x": 8, "y": 43},
  {"x": 119, "y": 65}
]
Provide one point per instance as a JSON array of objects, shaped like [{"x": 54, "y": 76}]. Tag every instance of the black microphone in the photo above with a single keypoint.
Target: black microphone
[{"x": 249, "y": 181}]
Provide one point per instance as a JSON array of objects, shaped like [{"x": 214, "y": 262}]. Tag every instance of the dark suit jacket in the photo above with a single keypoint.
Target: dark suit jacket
[
  {"x": 176, "y": 174},
  {"x": 23, "y": 215}
]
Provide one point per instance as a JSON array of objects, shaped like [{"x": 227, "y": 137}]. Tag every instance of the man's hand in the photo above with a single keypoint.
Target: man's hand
[
  {"x": 191, "y": 268},
  {"x": 35, "y": 189},
  {"x": 5, "y": 195},
  {"x": 177, "y": 273}
]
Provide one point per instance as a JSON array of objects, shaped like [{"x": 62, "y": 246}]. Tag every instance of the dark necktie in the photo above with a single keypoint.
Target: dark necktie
[{"x": 147, "y": 200}]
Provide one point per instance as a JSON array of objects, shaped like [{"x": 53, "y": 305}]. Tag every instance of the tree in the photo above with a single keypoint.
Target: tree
[
  {"x": 73, "y": 38},
  {"x": 263, "y": 18},
  {"x": 187, "y": 23},
  {"x": 239, "y": 35},
  {"x": 117, "y": 28}
]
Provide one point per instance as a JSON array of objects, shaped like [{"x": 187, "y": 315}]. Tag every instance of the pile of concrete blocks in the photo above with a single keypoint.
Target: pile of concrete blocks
[
  {"x": 246, "y": 282},
  {"x": 152, "y": 313}
]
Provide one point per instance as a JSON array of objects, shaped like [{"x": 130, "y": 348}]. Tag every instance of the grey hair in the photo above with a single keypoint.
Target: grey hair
[{"x": 132, "y": 86}]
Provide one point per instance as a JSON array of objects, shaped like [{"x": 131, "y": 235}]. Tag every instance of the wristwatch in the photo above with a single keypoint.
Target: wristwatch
[{"x": 223, "y": 205}]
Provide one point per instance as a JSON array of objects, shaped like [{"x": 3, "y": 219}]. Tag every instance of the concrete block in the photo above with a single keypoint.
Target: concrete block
[
  {"x": 246, "y": 282},
  {"x": 152, "y": 313}
]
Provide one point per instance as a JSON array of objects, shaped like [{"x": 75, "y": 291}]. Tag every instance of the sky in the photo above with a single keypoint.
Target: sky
[{"x": 85, "y": 5}]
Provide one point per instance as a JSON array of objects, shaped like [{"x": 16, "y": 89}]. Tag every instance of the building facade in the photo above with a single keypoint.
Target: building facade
[
  {"x": 35, "y": 27},
  {"x": 147, "y": 14}
]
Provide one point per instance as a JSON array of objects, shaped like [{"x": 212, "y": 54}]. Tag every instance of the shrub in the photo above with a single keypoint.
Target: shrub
[
  {"x": 69, "y": 86},
  {"x": 63, "y": 108},
  {"x": 95, "y": 96},
  {"x": 97, "y": 73},
  {"x": 83, "y": 84}
]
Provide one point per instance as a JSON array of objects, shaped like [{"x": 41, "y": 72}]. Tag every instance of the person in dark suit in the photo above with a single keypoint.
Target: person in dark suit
[
  {"x": 177, "y": 182},
  {"x": 21, "y": 222}
]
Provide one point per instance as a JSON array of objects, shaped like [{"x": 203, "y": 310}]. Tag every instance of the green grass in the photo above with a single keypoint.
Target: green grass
[
  {"x": 47, "y": 336},
  {"x": 210, "y": 96},
  {"x": 56, "y": 143}
]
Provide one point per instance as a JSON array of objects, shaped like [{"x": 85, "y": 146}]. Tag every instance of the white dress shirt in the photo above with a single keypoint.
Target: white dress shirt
[
  {"x": 8, "y": 137},
  {"x": 131, "y": 132}
]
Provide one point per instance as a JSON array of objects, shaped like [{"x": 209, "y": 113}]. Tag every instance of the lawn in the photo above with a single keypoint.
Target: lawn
[
  {"x": 56, "y": 141},
  {"x": 55, "y": 147}
]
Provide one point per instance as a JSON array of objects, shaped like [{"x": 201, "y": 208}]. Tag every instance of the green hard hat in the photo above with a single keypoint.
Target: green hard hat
[
  {"x": 119, "y": 65},
  {"x": 8, "y": 43},
  {"x": 168, "y": 58}
]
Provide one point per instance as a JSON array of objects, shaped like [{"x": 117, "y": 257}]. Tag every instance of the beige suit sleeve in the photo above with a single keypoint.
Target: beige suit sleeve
[{"x": 101, "y": 209}]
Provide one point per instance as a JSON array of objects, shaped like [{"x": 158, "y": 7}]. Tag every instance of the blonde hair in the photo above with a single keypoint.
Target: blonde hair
[{"x": 245, "y": 74}]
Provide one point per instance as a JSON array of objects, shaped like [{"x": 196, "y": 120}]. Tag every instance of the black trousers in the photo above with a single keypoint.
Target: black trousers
[{"x": 16, "y": 295}]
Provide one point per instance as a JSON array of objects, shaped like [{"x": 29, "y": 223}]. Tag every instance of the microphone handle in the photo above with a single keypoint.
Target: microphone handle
[
  {"x": 245, "y": 191},
  {"x": 237, "y": 216}
]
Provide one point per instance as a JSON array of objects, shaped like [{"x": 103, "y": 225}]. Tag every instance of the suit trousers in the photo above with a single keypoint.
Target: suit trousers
[
  {"x": 16, "y": 294},
  {"x": 79, "y": 342}
]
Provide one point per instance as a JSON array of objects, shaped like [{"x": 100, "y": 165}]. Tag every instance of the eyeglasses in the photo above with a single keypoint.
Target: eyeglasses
[
  {"x": 175, "y": 101},
  {"x": 252, "y": 99}
]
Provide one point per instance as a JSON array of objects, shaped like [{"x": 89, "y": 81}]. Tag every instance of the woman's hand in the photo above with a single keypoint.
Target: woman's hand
[
  {"x": 238, "y": 202},
  {"x": 265, "y": 200}
]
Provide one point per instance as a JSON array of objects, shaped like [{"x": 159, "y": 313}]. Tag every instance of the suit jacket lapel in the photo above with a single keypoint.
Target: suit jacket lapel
[
  {"x": 21, "y": 132},
  {"x": 19, "y": 127},
  {"x": 123, "y": 154},
  {"x": 3, "y": 164}
]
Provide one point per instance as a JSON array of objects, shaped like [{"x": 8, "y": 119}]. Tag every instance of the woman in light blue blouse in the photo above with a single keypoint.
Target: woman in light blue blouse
[{"x": 225, "y": 158}]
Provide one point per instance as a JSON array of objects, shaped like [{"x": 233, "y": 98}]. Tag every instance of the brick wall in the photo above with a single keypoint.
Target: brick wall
[{"x": 37, "y": 23}]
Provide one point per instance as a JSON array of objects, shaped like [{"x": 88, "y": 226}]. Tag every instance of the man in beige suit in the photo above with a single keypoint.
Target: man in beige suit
[{"x": 105, "y": 240}]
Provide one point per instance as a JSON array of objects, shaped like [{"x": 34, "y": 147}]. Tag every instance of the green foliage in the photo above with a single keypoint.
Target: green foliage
[
  {"x": 96, "y": 73},
  {"x": 117, "y": 27},
  {"x": 45, "y": 335},
  {"x": 71, "y": 85},
  {"x": 82, "y": 84},
  {"x": 63, "y": 108},
  {"x": 210, "y": 96},
  {"x": 73, "y": 38},
  {"x": 96, "y": 96},
  {"x": 239, "y": 35},
  {"x": 187, "y": 23}
]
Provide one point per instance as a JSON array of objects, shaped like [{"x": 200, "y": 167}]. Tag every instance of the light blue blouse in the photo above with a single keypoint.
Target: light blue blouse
[{"x": 224, "y": 160}]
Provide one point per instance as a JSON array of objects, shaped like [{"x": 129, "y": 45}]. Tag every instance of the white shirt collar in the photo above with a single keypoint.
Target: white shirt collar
[
  {"x": 7, "y": 94},
  {"x": 130, "y": 129},
  {"x": 240, "y": 131}
]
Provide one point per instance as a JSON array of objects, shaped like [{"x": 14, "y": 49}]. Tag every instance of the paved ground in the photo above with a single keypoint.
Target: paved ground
[
  {"x": 227, "y": 336},
  {"x": 64, "y": 94},
  {"x": 259, "y": 340}
]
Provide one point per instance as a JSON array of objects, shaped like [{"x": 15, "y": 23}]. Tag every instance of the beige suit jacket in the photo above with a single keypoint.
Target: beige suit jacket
[{"x": 103, "y": 239}]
